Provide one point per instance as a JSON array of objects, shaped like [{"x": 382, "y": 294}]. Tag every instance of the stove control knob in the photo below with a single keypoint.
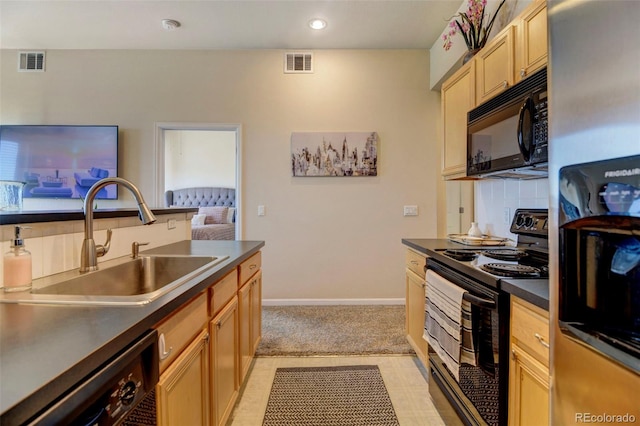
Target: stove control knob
[
  {"x": 519, "y": 221},
  {"x": 128, "y": 392},
  {"x": 528, "y": 222}
]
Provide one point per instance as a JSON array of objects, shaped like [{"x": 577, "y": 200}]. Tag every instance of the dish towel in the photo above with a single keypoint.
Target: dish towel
[{"x": 448, "y": 325}]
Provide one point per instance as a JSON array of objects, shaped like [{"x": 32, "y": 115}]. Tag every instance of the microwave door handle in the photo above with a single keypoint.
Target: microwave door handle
[
  {"x": 527, "y": 106},
  {"x": 479, "y": 301}
]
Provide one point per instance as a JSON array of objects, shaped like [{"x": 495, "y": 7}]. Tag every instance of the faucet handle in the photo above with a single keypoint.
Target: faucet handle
[
  {"x": 135, "y": 248},
  {"x": 101, "y": 250}
]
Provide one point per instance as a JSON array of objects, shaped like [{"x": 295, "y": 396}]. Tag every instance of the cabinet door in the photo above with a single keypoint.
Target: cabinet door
[
  {"x": 415, "y": 314},
  {"x": 528, "y": 390},
  {"x": 256, "y": 312},
  {"x": 532, "y": 40},
  {"x": 250, "y": 321},
  {"x": 244, "y": 323},
  {"x": 224, "y": 361},
  {"x": 458, "y": 97},
  {"x": 494, "y": 66},
  {"x": 182, "y": 393}
]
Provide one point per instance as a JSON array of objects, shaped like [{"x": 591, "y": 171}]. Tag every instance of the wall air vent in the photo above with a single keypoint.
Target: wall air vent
[
  {"x": 298, "y": 62},
  {"x": 31, "y": 61}
]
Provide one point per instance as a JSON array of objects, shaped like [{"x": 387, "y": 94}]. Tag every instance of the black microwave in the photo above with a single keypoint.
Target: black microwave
[{"x": 507, "y": 136}]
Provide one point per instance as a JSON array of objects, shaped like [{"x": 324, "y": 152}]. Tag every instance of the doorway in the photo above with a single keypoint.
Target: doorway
[{"x": 199, "y": 155}]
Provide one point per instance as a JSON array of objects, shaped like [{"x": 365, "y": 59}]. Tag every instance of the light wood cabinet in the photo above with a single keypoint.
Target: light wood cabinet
[
  {"x": 250, "y": 314},
  {"x": 495, "y": 66},
  {"x": 201, "y": 345},
  {"x": 182, "y": 392},
  {"x": 415, "y": 303},
  {"x": 457, "y": 98},
  {"x": 513, "y": 54},
  {"x": 532, "y": 42},
  {"x": 224, "y": 361},
  {"x": 178, "y": 330},
  {"x": 528, "y": 365}
]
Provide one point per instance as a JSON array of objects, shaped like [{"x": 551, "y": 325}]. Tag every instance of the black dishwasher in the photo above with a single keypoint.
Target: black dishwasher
[{"x": 113, "y": 391}]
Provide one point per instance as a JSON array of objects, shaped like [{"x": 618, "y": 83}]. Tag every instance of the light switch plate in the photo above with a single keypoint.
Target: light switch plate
[
  {"x": 261, "y": 211},
  {"x": 171, "y": 224},
  {"x": 411, "y": 210}
]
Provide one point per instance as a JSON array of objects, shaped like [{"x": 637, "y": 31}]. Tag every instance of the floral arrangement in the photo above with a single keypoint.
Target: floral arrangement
[{"x": 471, "y": 26}]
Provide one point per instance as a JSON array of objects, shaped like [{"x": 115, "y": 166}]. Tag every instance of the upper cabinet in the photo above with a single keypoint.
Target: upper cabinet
[
  {"x": 532, "y": 43},
  {"x": 494, "y": 66},
  {"x": 512, "y": 55},
  {"x": 458, "y": 97}
]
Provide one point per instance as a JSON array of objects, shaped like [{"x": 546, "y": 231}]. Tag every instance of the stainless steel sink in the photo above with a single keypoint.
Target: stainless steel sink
[{"x": 133, "y": 282}]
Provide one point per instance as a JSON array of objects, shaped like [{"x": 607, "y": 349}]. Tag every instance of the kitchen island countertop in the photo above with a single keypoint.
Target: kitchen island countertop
[{"x": 46, "y": 350}]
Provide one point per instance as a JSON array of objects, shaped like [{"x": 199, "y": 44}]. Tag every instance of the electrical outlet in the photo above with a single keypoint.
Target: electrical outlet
[
  {"x": 261, "y": 211},
  {"x": 171, "y": 224},
  {"x": 506, "y": 218},
  {"x": 411, "y": 210}
]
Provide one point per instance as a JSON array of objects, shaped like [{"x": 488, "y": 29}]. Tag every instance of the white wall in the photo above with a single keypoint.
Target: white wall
[
  {"x": 196, "y": 158},
  {"x": 326, "y": 238}
]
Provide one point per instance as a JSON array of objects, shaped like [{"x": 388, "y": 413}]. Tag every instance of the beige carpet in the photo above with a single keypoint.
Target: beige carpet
[{"x": 333, "y": 330}]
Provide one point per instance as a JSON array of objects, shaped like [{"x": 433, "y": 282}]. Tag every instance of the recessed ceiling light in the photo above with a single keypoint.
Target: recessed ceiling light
[
  {"x": 318, "y": 24},
  {"x": 170, "y": 24}
]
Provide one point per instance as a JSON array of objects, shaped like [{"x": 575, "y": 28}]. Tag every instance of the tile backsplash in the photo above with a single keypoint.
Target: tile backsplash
[
  {"x": 55, "y": 246},
  {"x": 494, "y": 196}
]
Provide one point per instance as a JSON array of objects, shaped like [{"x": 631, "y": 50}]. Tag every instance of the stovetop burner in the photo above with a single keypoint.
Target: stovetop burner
[
  {"x": 462, "y": 255},
  {"x": 505, "y": 254},
  {"x": 511, "y": 270}
]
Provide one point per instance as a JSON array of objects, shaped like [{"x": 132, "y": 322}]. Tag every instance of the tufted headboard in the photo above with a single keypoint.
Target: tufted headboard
[{"x": 200, "y": 197}]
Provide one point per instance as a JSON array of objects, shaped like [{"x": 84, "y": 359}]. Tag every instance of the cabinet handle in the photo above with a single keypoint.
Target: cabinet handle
[
  {"x": 253, "y": 266},
  {"x": 161, "y": 347},
  {"x": 505, "y": 84},
  {"x": 414, "y": 262},
  {"x": 541, "y": 340},
  {"x": 513, "y": 354},
  {"x": 206, "y": 338},
  {"x": 522, "y": 72}
]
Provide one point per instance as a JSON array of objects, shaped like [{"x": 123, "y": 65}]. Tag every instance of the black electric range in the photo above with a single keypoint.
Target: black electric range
[{"x": 529, "y": 259}]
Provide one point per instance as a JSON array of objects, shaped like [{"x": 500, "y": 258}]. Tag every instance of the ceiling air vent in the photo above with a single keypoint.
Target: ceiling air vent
[
  {"x": 31, "y": 61},
  {"x": 298, "y": 62}
]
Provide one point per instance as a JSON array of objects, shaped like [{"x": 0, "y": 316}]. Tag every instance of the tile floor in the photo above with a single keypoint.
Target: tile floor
[{"x": 405, "y": 382}]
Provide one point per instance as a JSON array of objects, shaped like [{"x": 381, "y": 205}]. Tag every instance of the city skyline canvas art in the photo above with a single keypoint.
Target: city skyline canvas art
[{"x": 342, "y": 154}]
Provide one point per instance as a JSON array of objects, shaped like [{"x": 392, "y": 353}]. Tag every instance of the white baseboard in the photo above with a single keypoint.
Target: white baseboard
[{"x": 292, "y": 302}]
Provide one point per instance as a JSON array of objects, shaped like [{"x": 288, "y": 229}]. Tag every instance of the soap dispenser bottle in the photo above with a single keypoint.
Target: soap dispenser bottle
[{"x": 17, "y": 265}]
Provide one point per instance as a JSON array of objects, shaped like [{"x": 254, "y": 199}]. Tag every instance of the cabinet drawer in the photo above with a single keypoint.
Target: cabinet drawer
[
  {"x": 250, "y": 267},
  {"x": 530, "y": 327},
  {"x": 222, "y": 291},
  {"x": 180, "y": 329},
  {"x": 415, "y": 262}
]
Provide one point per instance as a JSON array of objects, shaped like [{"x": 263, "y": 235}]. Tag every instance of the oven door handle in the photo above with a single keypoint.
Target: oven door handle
[{"x": 479, "y": 301}]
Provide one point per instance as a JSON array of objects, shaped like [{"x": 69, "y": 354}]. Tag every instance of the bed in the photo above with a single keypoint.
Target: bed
[{"x": 216, "y": 215}]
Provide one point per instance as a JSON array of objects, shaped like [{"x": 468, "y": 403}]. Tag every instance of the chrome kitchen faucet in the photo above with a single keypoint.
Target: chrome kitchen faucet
[{"x": 90, "y": 251}]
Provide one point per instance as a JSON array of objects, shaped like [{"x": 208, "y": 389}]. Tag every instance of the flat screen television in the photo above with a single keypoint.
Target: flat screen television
[{"x": 59, "y": 161}]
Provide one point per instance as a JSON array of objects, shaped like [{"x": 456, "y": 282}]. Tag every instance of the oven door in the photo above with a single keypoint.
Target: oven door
[
  {"x": 479, "y": 397},
  {"x": 600, "y": 286}
]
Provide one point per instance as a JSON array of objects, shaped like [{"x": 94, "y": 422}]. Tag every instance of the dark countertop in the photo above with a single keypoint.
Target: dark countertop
[
  {"x": 46, "y": 350},
  {"x": 11, "y": 218},
  {"x": 535, "y": 291}
]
